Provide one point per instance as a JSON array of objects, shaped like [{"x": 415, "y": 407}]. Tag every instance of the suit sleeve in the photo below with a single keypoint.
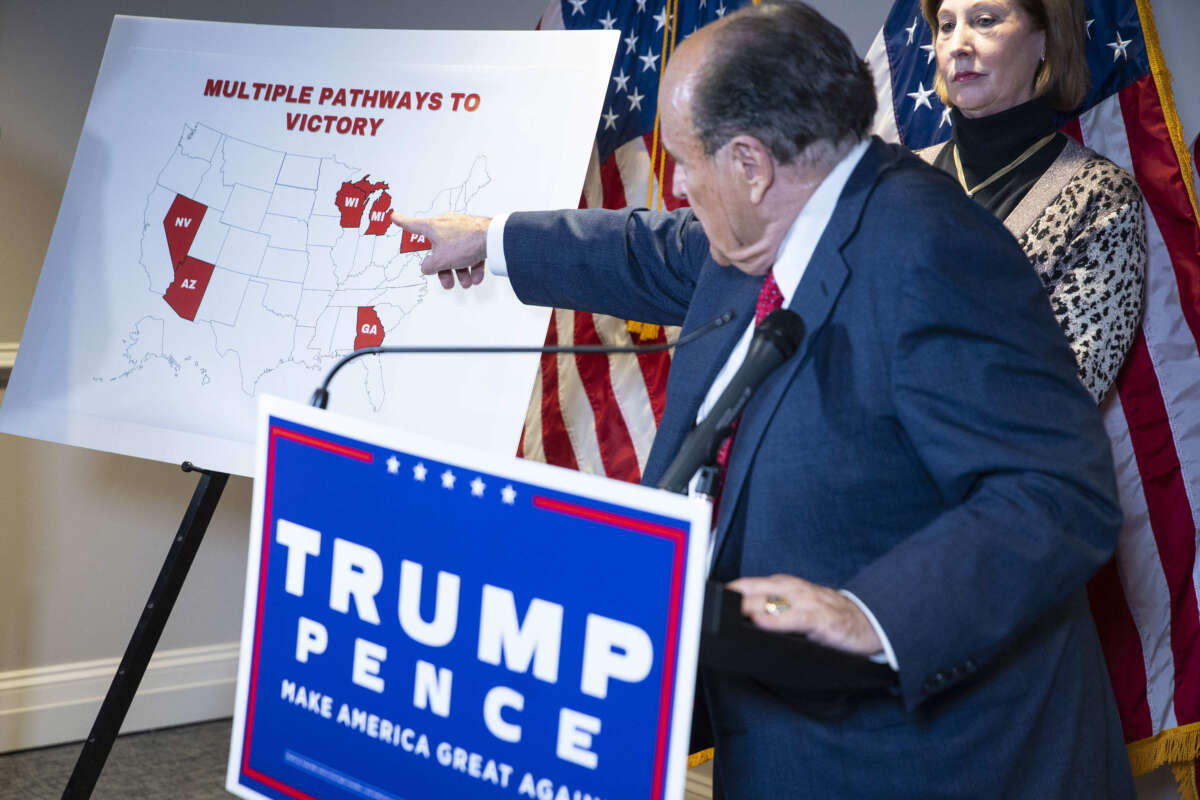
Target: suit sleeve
[
  {"x": 985, "y": 391},
  {"x": 632, "y": 264}
]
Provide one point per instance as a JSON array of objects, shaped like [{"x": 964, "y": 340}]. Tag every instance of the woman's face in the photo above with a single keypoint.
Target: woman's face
[{"x": 988, "y": 53}]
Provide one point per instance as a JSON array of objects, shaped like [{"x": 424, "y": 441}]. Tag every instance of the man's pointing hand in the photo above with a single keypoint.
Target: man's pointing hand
[{"x": 458, "y": 246}]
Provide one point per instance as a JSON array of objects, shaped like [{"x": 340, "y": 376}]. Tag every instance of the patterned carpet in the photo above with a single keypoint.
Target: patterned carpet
[{"x": 185, "y": 762}]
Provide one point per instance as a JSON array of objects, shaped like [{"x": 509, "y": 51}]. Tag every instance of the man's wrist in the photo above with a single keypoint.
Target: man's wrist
[
  {"x": 888, "y": 656},
  {"x": 496, "y": 263}
]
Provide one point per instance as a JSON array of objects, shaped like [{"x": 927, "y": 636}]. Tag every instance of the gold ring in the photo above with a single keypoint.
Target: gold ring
[{"x": 776, "y": 605}]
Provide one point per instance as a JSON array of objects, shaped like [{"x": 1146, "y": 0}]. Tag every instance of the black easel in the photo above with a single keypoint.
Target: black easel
[{"x": 145, "y": 636}]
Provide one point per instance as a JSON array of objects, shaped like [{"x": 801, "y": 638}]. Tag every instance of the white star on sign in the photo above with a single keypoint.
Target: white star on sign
[
  {"x": 912, "y": 31},
  {"x": 661, "y": 20},
  {"x": 635, "y": 100},
  {"x": 1119, "y": 46},
  {"x": 576, "y": 6},
  {"x": 630, "y": 42},
  {"x": 641, "y": 5},
  {"x": 393, "y": 465},
  {"x": 946, "y": 118},
  {"x": 447, "y": 480},
  {"x": 928, "y": 48},
  {"x": 610, "y": 120},
  {"x": 649, "y": 62},
  {"x": 477, "y": 487},
  {"x": 703, "y": 3},
  {"x": 419, "y": 472},
  {"x": 608, "y": 21},
  {"x": 721, "y": 10},
  {"x": 622, "y": 79},
  {"x": 508, "y": 495},
  {"x": 1088, "y": 23},
  {"x": 921, "y": 97}
]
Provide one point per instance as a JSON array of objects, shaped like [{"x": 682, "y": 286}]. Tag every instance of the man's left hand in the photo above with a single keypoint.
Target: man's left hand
[{"x": 823, "y": 614}]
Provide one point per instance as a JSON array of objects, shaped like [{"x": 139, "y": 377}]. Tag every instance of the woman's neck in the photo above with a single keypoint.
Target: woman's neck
[{"x": 986, "y": 144}]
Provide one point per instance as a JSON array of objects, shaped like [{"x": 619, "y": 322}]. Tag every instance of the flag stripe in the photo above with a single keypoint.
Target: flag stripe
[
  {"x": 1074, "y": 130},
  {"x": 1159, "y": 175},
  {"x": 1144, "y": 591},
  {"x": 1170, "y": 517},
  {"x": 885, "y": 113},
  {"x": 578, "y": 419},
  {"x": 616, "y": 450},
  {"x": 593, "y": 188},
  {"x": 610, "y": 179},
  {"x": 633, "y": 161},
  {"x": 629, "y": 388},
  {"x": 1166, "y": 100},
  {"x": 530, "y": 444},
  {"x": 655, "y": 367},
  {"x": 556, "y": 445},
  {"x": 665, "y": 186},
  {"x": 1120, "y": 640}
]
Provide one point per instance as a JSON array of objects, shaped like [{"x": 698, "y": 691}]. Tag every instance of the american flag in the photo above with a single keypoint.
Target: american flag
[
  {"x": 588, "y": 413},
  {"x": 1145, "y": 601}
]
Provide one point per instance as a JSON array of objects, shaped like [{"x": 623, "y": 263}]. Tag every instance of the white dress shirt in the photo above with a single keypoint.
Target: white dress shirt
[{"x": 790, "y": 264}]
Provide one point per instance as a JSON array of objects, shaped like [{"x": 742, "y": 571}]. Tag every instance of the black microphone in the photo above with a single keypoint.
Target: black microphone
[
  {"x": 320, "y": 397},
  {"x": 775, "y": 340}
]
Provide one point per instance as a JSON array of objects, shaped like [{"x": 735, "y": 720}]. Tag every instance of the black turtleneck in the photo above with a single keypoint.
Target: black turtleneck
[{"x": 988, "y": 144}]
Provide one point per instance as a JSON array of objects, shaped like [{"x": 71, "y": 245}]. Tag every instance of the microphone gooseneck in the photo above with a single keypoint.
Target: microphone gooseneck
[
  {"x": 320, "y": 397},
  {"x": 775, "y": 339}
]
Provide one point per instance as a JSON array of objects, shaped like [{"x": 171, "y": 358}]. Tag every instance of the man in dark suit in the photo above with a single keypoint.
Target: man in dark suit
[{"x": 924, "y": 481}]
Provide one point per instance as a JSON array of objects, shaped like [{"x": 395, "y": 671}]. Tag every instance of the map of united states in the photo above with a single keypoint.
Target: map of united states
[{"x": 288, "y": 258}]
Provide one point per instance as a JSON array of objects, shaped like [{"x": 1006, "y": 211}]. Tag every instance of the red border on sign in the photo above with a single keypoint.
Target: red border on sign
[
  {"x": 678, "y": 537},
  {"x": 321, "y": 444},
  {"x": 273, "y": 435}
]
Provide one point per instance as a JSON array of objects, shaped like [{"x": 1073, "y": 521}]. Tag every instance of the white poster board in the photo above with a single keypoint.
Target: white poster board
[{"x": 224, "y": 231}]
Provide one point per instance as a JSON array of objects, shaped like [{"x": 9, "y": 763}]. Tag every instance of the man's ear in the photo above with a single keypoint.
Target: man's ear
[{"x": 753, "y": 165}]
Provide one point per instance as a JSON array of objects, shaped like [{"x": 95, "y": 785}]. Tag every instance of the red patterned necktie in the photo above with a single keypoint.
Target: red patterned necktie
[{"x": 769, "y": 299}]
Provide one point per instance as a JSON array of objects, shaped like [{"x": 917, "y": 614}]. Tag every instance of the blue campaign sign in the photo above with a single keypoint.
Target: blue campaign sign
[{"x": 423, "y": 621}]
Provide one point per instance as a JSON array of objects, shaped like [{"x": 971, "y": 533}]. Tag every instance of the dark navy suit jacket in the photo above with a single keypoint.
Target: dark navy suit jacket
[{"x": 928, "y": 448}]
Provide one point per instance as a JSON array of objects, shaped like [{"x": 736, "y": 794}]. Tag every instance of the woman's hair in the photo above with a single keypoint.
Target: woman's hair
[{"x": 1064, "y": 77}]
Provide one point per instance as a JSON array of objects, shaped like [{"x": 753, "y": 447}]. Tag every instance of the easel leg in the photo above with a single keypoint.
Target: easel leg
[{"x": 145, "y": 636}]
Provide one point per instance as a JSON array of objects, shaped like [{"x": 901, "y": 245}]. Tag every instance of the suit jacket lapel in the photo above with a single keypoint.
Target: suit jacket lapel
[
  {"x": 818, "y": 292},
  {"x": 695, "y": 366}
]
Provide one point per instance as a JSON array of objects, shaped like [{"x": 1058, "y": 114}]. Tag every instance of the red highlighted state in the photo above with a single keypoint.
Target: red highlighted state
[
  {"x": 181, "y": 223},
  {"x": 412, "y": 242},
  {"x": 352, "y": 200},
  {"x": 187, "y": 290},
  {"x": 350, "y": 203},
  {"x": 366, "y": 187},
  {"x": 379, "y": 218},
  {"x": 369, "y": 330}
]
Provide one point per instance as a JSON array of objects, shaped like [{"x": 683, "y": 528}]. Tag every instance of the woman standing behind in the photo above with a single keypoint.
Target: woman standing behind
[{"x": 1005, "y": 68}]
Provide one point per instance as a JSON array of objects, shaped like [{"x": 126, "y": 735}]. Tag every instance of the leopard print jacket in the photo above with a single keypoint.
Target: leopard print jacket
[{"x": 1083, "y": 227}]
